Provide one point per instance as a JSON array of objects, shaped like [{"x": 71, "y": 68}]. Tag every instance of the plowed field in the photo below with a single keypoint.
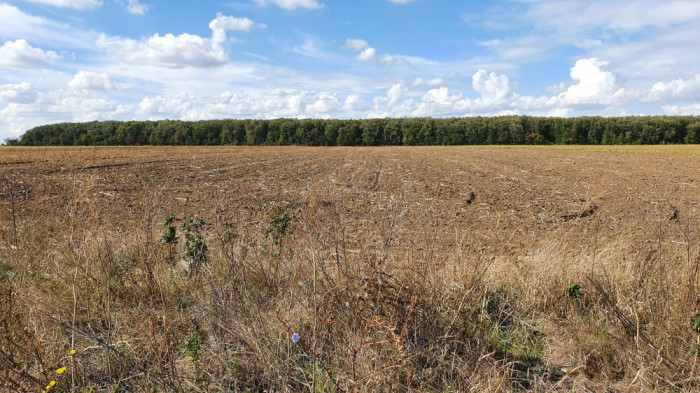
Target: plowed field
[{"x": 485, "y": 241}]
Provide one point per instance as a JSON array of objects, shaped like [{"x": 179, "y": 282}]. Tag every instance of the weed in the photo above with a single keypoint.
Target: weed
[
  {"x": 169, "y": 235},
  {"x": 573, "y": 291},
  {"x": 194, "y": 343},
  {"x": 279, "y": 225},
  {"x": 195, "y": 246}
]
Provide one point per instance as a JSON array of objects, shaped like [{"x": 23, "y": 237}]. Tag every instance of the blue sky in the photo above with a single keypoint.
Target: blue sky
[{"x": 83, "y": 60}]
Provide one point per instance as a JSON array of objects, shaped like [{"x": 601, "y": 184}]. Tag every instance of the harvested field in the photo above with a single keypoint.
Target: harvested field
[{"x": 426, "y": 269}]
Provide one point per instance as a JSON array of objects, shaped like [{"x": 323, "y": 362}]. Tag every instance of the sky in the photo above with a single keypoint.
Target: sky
[{"x": 84, "y": 60}]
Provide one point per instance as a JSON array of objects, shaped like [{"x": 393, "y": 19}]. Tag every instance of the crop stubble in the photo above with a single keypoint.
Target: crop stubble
[{"x": 532, "y": 219}]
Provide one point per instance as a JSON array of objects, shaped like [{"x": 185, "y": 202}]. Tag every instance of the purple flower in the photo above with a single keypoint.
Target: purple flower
[{"x": 296, "y": 338}]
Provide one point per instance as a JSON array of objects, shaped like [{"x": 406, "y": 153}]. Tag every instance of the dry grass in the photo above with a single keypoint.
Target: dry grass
[{"x": 410, "y": 269}]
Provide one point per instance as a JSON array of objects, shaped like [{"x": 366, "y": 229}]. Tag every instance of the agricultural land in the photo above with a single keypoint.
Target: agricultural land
[{"x": 350, "y": 269}]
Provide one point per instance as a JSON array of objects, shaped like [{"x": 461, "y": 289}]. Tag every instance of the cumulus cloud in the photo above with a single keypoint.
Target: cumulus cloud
[
  {"x": 75, "y": 4},
  {"x": 441, "y": 103},
  {"x": 91, "y": 81},
  {"x": 687, "y": 110},
  {"x": 20, "y": 54},
  {"x": 492, "y": 87},
  {"x": 292, "y": 4},
  {"x": 324, "y": 105},
  {"x": 395, "y": 93},
  {"x": 369, "y": 55},
  {"x": 428, "y": 82},
  {"x": 20, "y": 93},
  {"x": 178, "y": 51},
  {"x": 596, "y": 87},
  {"x": 277, "y": 104},
  {"x": 222, "y": 24},
  {"x": 178, "y": 107},
  {"x": 167, "y": 50},
  {"x": 676, "y": 90},
  {"x": 59, "y": 106}
]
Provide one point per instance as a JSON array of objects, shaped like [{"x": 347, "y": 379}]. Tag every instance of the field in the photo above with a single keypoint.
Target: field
[{"x": 350, "y": 269}]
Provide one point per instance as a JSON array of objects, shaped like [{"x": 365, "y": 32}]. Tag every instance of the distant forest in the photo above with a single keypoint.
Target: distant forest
[{"x": 503, "y": 130}]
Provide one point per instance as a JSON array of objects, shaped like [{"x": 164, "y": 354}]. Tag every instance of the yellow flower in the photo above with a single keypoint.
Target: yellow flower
[
  {"x": 52, "y": 383},
  {"x": 72, "y": 352},
  {"x": 60, "y": 370}
]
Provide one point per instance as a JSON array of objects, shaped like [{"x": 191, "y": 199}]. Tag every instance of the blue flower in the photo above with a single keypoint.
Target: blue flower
[
  {"x": 296, "y": 337},
  {"x": 379, "y": 281}
]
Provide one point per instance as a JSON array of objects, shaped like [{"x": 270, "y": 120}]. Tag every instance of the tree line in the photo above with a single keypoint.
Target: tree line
[{"x": 502, "y": 130}]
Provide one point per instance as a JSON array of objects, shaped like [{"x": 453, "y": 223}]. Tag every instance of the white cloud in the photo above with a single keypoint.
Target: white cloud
[
  {"x": 59, "y": 106},
  {"x": 21, "y": 93},
  {"x": 492, "y": 87},
  {"x": 222, "y": 23},
  {"x": 439, "y": 102},
  {"x": 395, "y": 93},
  {"x": 167, "y": 50},
  {"x": 650, "y": 40},
  {"x": 178, "y": 107},
  {"x": 369, "y": 55},
  {"x": 354, "y": 104},
  {"x": 616, "y": 15},
  {"x": 91, "y": 81},
  {"x": 16, "y": 24},
  {"x": 292, "y": 4},
  {"x": 135, "y": 7},
  {"x": 184, "y": 50},
  {"x": 324, "y": 105},
  {"x": 676, "y": 90},
  {"x": 688, "y": 110},
  {"x": 356, "y": 44},
  {"x": 76, "y": 4},
  {"x": 428, "y": 82},
  {"x": 19, "y": 54},
  {"x": 596, "y": 86}
]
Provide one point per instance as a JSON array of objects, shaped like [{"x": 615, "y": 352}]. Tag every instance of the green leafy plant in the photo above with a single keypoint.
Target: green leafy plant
[
  {"x": 194, "y": 343},
  {"x": 695, "y": 323},
  {"x": 169, "y": 235},
  {"x": 195, "y": 246},
  {"x": 573, "y": 291},
  {"x": 279, "y": 225}
]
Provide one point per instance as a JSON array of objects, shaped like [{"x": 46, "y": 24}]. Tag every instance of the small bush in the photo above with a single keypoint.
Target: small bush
[
  {"x": 280, "y": 225},
  {"x": 169, "y": 235},
  {"x": 193, "y": 345},
  {"x": 195, "y": 246},
  {"x": 573, "y": 291},
  {"x": 695, "y": 322}
]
